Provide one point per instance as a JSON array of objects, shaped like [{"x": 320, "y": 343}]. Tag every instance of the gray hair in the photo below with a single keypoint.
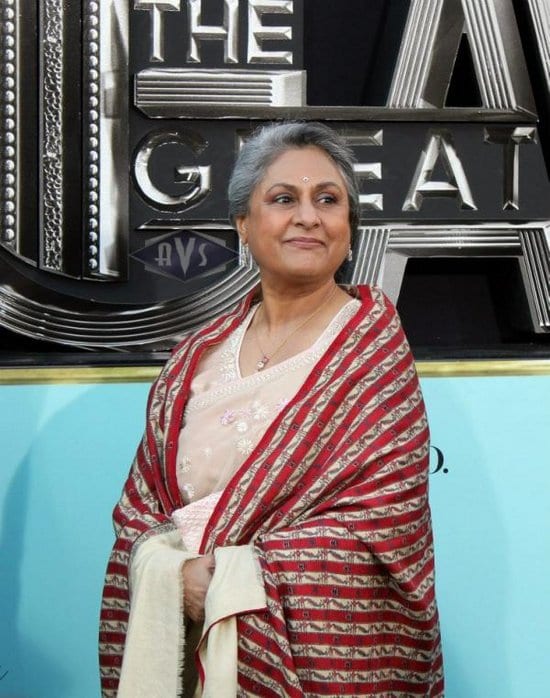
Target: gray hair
[{"x": 269, "y": 141}]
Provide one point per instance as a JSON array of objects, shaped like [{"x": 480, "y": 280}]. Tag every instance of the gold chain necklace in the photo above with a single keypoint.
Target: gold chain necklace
[{"x": 262, "y": 363}]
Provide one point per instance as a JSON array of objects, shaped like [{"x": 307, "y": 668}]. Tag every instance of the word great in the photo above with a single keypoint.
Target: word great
[{"x": 437, "y": 173}]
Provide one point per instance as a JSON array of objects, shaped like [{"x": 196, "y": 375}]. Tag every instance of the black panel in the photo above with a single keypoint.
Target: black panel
[
  {"x": 350, "y": 55},
  {"x": 467, "y": 307},
  {"x": 464, "y": 87}
]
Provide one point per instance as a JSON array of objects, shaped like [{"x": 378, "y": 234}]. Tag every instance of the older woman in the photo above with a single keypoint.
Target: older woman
[{"x": 274, "y": 532}]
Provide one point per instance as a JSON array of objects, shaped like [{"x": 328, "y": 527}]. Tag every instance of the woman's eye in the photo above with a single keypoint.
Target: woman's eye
[
  {"x": 327, "y": 199},
  {"x": 282, "y": 199}
]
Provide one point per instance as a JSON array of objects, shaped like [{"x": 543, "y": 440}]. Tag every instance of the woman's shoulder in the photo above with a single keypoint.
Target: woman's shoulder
[{"x": 373, "y": 299}]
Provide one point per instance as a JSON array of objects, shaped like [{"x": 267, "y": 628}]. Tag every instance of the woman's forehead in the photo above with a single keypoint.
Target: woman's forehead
[{"x": 303, "y": 165}]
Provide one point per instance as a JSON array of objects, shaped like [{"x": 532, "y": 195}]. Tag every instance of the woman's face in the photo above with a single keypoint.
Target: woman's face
[{"x": 298, "y": 227}]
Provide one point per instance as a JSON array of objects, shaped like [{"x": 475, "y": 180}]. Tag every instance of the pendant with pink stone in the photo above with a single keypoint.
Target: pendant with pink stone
[{"x": 262, "y": 362}]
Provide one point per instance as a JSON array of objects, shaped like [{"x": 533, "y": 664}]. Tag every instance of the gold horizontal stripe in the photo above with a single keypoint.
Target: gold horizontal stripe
[
  {"x": 78, "y": 374},
  {"x": 484, "y": 367},
  {"x": 146, "y": 374}
]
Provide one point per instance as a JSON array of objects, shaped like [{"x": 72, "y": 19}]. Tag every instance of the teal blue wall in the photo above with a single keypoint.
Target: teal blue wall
[{"x": 66, "y": 450}]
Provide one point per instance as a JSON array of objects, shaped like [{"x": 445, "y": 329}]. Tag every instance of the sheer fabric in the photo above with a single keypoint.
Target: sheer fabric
[{"x": 227, "y": 415}]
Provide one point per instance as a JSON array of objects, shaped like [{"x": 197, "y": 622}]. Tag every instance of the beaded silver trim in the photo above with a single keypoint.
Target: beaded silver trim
[
  {"x": 91, "y": 134},
  {"x": 8, "y": 128}
]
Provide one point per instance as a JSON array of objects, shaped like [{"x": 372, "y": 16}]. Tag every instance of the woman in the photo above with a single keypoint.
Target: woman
[{"x": 276, "y": 517}]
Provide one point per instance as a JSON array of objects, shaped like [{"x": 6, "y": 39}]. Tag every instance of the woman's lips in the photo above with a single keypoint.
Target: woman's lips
[{"x": 304, "y": 243}]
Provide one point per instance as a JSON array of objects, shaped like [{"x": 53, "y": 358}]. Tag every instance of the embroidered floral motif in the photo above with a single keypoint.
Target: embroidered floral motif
[
  {"x": 258, "y": 411},
  {"x": 249, "y": 420},
  {"x": 188, "y": 491},
  {"x": 283, "y": 402},
  {"x": 185, "y": 464},
  {"x": 228, "y": 417},
  {"x": 244, "y": 446}
]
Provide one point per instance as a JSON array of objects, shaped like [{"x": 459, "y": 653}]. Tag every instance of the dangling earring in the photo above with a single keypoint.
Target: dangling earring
[
  {"x": 244, "y": 256},
  {"x": 349, "y": 256}
]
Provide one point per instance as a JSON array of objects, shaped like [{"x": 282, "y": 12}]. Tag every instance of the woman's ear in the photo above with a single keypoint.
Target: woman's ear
[{"x": 240, "y": 224}]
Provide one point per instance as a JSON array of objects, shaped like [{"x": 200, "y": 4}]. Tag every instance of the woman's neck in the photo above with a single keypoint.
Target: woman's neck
[
  {"x": 283, "y": 306},
  {"x": 287, "y": 323}
]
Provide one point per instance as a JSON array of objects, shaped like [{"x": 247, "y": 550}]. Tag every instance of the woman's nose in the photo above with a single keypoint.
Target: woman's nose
[{"x": 306, "y": 214}]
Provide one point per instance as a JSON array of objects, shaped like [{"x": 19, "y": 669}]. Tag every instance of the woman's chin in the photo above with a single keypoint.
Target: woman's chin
[{"x": 299, "y": 274}]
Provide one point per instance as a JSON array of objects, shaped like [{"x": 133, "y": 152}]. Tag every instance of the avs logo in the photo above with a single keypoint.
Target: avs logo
[{"x": 186, "y": 254}]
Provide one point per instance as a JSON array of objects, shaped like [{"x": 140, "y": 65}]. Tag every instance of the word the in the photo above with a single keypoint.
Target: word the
[{"x": 228, "y": 32}]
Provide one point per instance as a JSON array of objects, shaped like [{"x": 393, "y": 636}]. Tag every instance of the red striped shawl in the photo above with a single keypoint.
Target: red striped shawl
[{"x": 335, "y": 498}]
